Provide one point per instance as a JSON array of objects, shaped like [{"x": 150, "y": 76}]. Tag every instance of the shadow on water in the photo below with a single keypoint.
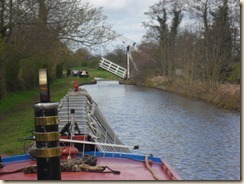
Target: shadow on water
[{"x": 199, "y": 140}]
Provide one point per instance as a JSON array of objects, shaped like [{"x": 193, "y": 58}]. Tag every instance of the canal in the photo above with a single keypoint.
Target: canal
[{"x": 200, "y": 141}]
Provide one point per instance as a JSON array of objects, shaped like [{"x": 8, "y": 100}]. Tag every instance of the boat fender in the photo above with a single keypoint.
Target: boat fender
[{"x": 67, "y": 150}]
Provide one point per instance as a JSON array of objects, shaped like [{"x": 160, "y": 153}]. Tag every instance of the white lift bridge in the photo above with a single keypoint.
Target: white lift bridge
[{"x": 113, "y": 68}]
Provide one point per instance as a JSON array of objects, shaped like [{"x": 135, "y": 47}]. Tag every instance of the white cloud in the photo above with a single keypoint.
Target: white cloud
[
  {"x": 126, "y": 16},
  {"x": 112, "y": 5}
]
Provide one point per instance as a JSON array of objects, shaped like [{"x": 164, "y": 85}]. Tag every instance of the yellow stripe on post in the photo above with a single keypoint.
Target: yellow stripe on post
[
  {"x": 46, "y": 121},
  {"x": 48, "y": 152},
  {"x": 47, "y": 137}
]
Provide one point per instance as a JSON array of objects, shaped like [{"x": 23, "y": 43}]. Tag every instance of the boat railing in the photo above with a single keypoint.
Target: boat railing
[{"x": 90, "y": 121}]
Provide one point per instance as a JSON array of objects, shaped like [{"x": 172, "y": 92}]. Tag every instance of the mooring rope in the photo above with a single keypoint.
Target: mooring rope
[
  {"x": 87, "y": 164},
  {"x": 150, "y": 168}
]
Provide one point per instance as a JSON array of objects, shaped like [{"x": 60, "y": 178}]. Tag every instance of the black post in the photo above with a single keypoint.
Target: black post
[
  {"x": 47, "y": 141},
  {"x": 47, "y": 133},
  {"x": 1, "y": 164}
]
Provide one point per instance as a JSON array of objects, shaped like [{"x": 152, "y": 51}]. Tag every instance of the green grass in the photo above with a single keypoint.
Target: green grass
[
  {"x": 100, "y": 73},
  {"x": 14, "y": 127},
  {"x": 16, "y": 98},
  {"x": 103, "y": 74},
  {"x": 17, "y": 114}
]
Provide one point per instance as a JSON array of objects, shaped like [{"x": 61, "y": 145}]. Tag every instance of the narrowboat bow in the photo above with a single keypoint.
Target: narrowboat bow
[{"x": 73, "y": 141}]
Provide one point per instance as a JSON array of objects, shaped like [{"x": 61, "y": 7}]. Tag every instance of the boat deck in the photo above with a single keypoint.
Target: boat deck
[
  {"x": 131, "y": 168},
  {"x": 88, "y": 118}
]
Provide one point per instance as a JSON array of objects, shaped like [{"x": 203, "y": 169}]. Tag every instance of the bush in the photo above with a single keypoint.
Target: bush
[
  {"x": 93, "y": 63},
  {"x": 28, "y": 74},
  {"x": 59, "y": 70},
  {"x": 235, "y": 76},
  {"x": 12, "y": 68}
]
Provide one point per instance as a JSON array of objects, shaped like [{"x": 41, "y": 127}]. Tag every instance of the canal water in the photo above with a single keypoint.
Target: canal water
[{"x": 200, "y": 141}]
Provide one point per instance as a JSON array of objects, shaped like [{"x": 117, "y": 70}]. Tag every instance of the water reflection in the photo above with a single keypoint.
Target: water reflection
[{"x": 199, "y": 140}]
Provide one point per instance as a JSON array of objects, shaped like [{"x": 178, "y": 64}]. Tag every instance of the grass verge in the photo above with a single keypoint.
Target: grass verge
[{"x": 17, "y": 114}]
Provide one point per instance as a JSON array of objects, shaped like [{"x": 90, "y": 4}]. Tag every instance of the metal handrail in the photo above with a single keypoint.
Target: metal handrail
[{"x": 91, "y": 117}]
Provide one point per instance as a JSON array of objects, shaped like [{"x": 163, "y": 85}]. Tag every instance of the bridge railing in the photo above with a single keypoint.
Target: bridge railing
[{"x": 113, "y": 67}]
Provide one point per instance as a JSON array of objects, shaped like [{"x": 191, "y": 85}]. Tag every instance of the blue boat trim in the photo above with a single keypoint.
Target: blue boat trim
[
  {"x": 136, "y": 157},
  {"x": 132, "y": 156},
  {"x": 15, "y": 158}
]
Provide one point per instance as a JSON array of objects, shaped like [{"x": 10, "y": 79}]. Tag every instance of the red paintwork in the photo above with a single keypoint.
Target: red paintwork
[
  {"x": 130, "y": 170},
  {"x": 76, "y": 137},
  {"x": 170, "y": 172},
  {"x": 76, "y": 86},
  {"x": 65, "y": 151}
]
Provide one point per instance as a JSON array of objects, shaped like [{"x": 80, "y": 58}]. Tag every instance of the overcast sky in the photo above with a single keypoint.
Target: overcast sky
[{"x": 126, "y": 16}]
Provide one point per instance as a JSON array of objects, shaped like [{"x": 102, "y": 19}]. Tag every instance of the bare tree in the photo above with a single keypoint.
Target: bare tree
[
  {"x": 160, "y": 16},
  {"x": 201, "y": 9},
  {"x": 219, "y": 36},
  {"x": 72, "y": 21},
  {"x": 118, "y": 56},
  {"x": 39, "y": 30}
]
